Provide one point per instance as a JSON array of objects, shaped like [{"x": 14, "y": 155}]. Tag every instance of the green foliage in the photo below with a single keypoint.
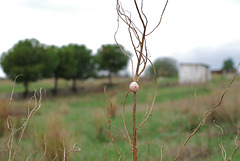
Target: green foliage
[
  {"x": 85, "y": 62},
  {"x": 51, "y": 60},
  {"x": 228, "y": 65},
  {"x": 76, "y": 61},
  {"x": 26, "y": 58},
  {"x": 67, "y": 66},
  {"x": 110, "y": 58},
  {"x": 164, "y": 67}
]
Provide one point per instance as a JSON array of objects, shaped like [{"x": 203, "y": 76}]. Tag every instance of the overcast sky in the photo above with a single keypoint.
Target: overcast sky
[{"x": 203, "y": 31}]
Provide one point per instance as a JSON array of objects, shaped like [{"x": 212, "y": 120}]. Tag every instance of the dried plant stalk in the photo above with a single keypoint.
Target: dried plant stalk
[
  {"x": 224, "y": 153},
  {"x": 237, "y": 143},
  {"x": 11, "y": 127},
  {"x": 134, "y": 138},
  {"x": 138, "y": 40}
]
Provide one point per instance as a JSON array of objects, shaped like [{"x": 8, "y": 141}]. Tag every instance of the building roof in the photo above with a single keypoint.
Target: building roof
[{"x": 194, "y": 64}]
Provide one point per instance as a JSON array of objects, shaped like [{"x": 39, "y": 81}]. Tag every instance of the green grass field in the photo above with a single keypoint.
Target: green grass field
[{"x": 81, "y": 119}]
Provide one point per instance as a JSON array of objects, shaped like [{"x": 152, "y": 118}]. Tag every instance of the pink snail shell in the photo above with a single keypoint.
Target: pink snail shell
[{"x": 134, "y": 87}]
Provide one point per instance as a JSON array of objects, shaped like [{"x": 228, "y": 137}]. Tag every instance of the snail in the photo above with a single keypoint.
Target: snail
[{"x": 134, "y": 87}]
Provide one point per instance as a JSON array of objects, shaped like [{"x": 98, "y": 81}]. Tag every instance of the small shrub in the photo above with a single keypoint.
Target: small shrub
[{"x": 55, "y": 136}]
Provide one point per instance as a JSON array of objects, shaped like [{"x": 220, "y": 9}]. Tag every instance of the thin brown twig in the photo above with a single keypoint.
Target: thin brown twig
[
  {"x": 123, "y": 134},
  {"x": 134, "y": 138},
  {"x": 197, "y": 112},
  {"x": 14, "y": 83},
  {"x": 109, "y": 116},
  {"x": 120, "y": 14},
  {"x": 115, "y": 35},
  {"x": 146, "y": 112},
  {"x": 237, "y": 139},
  {"x": 142, "y": 43},
  {"x": 155, "y": 95},
  {"x": 29, "y": 103},
  {"x": 115, "y": 146},
  {"x": 195, "y": 104},
  {"x": 142, "y": 55},
  {"x": 146, "y": 20},
  {"x": 128, "y": 154},
  {"x": 30, "y": 155},
  {"x": 237, "y": 143},
  {"x": 109, "y": 130},
  {"x": 207, "y": 113},
  {"x": 10, "y": 140},
  {"x": 33, "y": 111},
  {"x": 159, "y": 22},
  {"x": 148, "y": 152},
  {"x": 237, "y": 154},
  {"x": 224, "y": 153},
  {"x": 124, "y": 123},
  {"x": 161, "y": 154},
  {"x": 144, "y": 58},
  {"x": 64, "y": 151},
  {"x": 205, "y": 149},
  {"x": 140, "y": 16},
  {"x": 73, "y": 149}
]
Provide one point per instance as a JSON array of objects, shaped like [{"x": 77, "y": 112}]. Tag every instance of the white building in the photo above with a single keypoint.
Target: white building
[{"x": 193, "y": 73}]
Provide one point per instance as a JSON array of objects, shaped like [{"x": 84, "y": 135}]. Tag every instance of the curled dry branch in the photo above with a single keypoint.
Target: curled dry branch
[
  {"x": 67, "y": 152},
  {"x": 45, "y": 147},
  {"x": 224, "y": 153},
  {"x": 154, "y": 97},
  {"x": 205, "y": 149},
  {"x": 237, "y": 144},
  {"x": 136, "y": 35},
  {"x": 13, "y": 130},
  {"x": 207, "y": 114},
  {"x": 139, "y": 44}
]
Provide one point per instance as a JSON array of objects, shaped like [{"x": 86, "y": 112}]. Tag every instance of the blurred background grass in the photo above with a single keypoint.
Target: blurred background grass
[{"x": 81, "y": 118}]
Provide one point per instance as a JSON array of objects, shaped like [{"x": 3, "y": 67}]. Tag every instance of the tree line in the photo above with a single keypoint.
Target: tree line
[{"x": 34, "y": 60}]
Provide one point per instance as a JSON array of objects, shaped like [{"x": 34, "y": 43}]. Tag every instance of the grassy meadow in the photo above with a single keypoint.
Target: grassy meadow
[{"x": 80, "y": 118}]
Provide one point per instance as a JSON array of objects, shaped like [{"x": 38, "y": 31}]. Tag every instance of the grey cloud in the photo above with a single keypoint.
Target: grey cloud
[{"x": 213, "y": 56}]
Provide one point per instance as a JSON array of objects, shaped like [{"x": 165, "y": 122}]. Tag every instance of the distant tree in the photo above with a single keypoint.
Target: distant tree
[
  {"x": 110, "y": 58},
  {"x": 164, "y": 67},
  {"x": 228, "y": 65},
  {"x": 26, "y": 58},
  {"x": 85, "y": 63},
  {"x": 51, "y": 60},
  {"x": 67, "y": 66}
]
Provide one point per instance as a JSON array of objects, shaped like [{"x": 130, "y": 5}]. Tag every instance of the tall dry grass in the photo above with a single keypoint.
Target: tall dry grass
[
  {"x": 100, "y": 124},
  {"x": 4, "y": 106},
  {"x": 54, "y": 138}
]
